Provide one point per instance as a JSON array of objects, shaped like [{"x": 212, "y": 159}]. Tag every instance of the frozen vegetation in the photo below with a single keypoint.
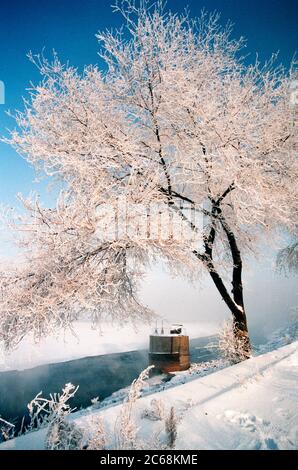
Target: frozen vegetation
[{"x": 249, "y": 405}]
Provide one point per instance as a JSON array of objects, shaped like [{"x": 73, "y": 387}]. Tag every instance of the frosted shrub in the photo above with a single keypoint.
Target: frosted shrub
[
  {"x": 156, "y": 412},
  {"x": 42, "y": 410},
  {"x": 6, "y": 430},
  {"x": 125, "y": 426},
  {"x": 159, "y": 411},
  {"x": 171, "y": 428},
  {"x": 201, "y": 368},
  {"x": 230, "y": 345},
  {"x": 98, "y": 440},
  {"x": 95, "y": 402},
  {"x": 61, "y": 434}
]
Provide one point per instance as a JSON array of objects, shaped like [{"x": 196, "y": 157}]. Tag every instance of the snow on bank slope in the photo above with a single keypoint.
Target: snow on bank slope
[
  {"x": 252, "y": 405},
  {"x": 88, "y": 342}
]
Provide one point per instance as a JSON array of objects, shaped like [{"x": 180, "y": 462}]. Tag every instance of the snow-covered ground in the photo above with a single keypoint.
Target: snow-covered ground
[
  {"x": 88, "y": 342},
  {"x": 251, "y": 405}
]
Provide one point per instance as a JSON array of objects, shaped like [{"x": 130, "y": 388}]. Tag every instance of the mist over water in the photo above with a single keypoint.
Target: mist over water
[{"x": 98, "y": 376}]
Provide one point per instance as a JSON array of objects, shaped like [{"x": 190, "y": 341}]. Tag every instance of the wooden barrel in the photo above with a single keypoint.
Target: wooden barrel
[{"x": 169, "y": 353}]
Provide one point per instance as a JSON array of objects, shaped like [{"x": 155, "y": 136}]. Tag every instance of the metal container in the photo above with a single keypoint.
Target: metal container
[{"x": 169, "y": 353}]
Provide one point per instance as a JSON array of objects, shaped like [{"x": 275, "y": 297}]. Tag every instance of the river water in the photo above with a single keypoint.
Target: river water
[{"x": 96, "y": 376}]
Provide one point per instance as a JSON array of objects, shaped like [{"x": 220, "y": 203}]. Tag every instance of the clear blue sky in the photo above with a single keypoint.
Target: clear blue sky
[{"x": 69, "y": 27}]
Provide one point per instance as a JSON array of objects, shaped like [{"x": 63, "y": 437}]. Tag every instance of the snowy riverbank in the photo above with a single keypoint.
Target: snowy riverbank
[{"x": 251, "y": 405}]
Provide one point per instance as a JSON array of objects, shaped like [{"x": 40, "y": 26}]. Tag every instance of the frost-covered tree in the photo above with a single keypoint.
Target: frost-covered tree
[{"x": 177, "y": 120}]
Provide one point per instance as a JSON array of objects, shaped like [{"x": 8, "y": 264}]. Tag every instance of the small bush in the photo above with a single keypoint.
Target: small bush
[
  {"x": 231, "y": 347},
  {"x": 125, "y": 427},
  {"x": 156, "y": 412},
  {"x": 53, "y": 412},
  {"x": 98, "y": 440},
  {"x": 171, "y": 428}
]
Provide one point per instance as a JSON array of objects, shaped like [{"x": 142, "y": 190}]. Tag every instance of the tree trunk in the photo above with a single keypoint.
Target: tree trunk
[
  {"x": 234, "y": 303},
  {"x": 239, "y": 315},
  {"x": 240, "y": 329}
]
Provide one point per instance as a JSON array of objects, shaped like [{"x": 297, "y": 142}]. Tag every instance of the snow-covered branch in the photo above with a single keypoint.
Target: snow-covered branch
[{"x": 176, "y": 118}]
